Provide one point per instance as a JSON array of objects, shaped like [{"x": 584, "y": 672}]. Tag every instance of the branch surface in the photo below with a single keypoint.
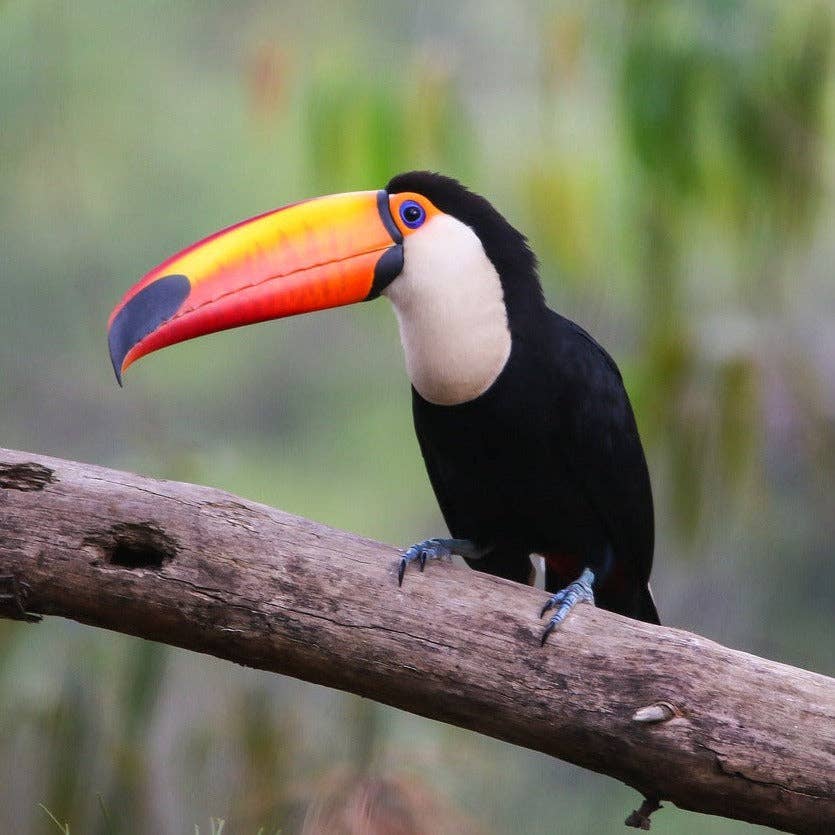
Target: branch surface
[{"x": 678, "y": 717}]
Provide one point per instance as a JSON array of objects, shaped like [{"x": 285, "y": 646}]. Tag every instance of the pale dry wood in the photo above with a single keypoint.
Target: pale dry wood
[{"x": 732, "y": 734}]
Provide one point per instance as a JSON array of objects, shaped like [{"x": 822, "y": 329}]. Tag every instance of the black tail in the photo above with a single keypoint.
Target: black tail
[{"x": 646, "y": 607}]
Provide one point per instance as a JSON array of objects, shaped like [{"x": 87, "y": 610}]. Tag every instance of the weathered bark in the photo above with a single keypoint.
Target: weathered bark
[{"x": 678, "y": 717}]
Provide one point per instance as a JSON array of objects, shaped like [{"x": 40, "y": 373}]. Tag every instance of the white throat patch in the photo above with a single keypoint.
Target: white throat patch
[{"x": 450, "y": 308}]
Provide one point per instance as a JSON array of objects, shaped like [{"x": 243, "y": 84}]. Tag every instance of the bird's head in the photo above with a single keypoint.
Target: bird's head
[{"x": 425, "y": 241}]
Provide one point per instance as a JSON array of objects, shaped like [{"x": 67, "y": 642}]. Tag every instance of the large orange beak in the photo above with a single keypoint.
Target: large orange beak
[{"x": 320, "y": 253}]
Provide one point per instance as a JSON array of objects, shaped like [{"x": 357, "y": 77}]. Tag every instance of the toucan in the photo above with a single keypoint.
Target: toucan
[{"x": 525, "y": 426}]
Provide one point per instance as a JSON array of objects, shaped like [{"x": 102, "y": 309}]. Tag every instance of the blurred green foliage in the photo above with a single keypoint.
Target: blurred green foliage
[{"x": 672, "y": 164}]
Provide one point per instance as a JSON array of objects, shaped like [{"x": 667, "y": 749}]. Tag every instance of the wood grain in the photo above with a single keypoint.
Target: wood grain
[{"x": 678, "y": 717}]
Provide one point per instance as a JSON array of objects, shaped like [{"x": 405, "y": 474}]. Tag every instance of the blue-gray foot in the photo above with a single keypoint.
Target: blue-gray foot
[
  {"x": 434, "y": 549},
  {"x": 580, "y": 591}
]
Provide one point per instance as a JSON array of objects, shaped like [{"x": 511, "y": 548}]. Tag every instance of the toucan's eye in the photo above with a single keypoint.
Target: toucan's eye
[{"x": 412, "y": 213}]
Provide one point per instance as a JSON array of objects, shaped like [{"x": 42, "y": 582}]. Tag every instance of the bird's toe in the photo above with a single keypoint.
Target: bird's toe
[
  {"x": 421, "y": 552},
  {"x": 580, "y": 591}
]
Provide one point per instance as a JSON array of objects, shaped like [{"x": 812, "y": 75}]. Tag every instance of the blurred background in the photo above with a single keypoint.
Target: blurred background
[{"x": 672, "y": 164}]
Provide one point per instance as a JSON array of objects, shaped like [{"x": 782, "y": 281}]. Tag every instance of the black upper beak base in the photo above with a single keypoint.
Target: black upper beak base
[{"x": 390, "y": 264}]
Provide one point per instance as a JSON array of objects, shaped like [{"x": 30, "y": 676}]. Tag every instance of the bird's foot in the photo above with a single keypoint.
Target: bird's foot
[
  {"x": 435, "y": 549},
  {"x": 580, "y": 591}
]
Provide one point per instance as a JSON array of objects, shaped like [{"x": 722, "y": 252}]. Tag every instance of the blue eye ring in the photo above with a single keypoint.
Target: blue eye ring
[{"x": 412, "y": 213}]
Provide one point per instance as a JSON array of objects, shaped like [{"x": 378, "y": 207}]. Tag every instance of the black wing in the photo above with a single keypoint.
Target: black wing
[{"x": 599, "y": 440}]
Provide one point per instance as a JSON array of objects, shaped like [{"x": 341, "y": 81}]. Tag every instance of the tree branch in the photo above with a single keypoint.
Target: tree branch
[{"x": 678, "y": 717}]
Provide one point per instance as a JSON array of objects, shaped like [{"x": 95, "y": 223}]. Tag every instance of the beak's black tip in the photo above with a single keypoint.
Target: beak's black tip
[
  {"x": 143, "y": 314},
  {"x": 115, "y": 359}
]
